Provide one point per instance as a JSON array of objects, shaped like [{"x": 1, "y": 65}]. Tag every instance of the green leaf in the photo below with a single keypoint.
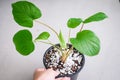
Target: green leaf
[
  {"x": 25, "y": 12},
  {"x": 62, "y": 41},
  {"x": 74, "y": 22},
  {"x": 96, "y": 17},
  {"x": 23, "y": 42},
  {"x": 43, "y": 36},
  {"x": 86, "y": 42}
]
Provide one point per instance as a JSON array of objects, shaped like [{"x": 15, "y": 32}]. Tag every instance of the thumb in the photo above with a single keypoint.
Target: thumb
[
  {"x": 63, "y": 78},
  {"x": 52, "y": 72},
  {"x": 66, "y": 78}
]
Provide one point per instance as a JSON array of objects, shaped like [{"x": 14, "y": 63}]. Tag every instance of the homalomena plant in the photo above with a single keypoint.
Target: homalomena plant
[{"x": 25, "y": 13}]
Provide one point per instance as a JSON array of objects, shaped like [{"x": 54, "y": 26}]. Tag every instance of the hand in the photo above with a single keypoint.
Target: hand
[{"x": 47, "y": 74}]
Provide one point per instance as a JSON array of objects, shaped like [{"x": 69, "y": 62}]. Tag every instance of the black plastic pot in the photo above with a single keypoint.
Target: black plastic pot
[{"x": 72, "y": 76}]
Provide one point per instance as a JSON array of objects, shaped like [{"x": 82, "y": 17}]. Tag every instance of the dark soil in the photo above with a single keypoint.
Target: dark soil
[{"x": 73, "y": 63}]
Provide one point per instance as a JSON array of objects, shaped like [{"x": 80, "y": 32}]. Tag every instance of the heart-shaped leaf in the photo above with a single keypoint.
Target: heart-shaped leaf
[
  {"x": 43, "y": 36},
  {"x": 86, "y": 42},
  {"x": 96, "y": 17},
  {"x": 25, "y": 12},
  {"x": 23, "y": 42},
  {"x": 74, "y": 22}
]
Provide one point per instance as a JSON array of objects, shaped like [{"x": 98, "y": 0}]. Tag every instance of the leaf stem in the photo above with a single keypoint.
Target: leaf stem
[
  {"x": 46, "y": 42},
  {"x": 65, "y": 56},
  {"x": 69, "y": 35},
  {"x": 81, "y": 27},
  {"x": 52, "y": 45},
  {"x": 69, "y": 50},
  {"x": 47, "y": 27}
]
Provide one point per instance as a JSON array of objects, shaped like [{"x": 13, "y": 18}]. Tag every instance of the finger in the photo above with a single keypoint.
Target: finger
[
  {"x": 50, "y": 73},
  {"x": 66, "y": 78},
  {"x": 40, "y": 69},
  {"x": 58, "y": 78},
  {"x": 54, "y": 73}
]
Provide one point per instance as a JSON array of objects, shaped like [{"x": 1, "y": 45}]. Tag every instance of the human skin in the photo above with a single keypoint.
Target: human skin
[{"x": 47, "y": 74}]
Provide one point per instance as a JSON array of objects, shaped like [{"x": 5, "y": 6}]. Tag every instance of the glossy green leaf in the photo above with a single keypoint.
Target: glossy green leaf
[
  {"x": 74, "y": 22},
  {"x": 62, "y": 41},
  {"x": 25, "y": 12},
  {"x": 43, "y": 36},
  {"x": 86, "y": 42},
  {"x": 96, "y": 17},
  {"x": 23, "y": 42}
]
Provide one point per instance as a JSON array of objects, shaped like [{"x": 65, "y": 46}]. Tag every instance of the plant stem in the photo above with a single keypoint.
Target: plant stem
[
  {"x": 52, "y": 45},
  {"x": 81, "y": 27},
  {"x": 69, "y": 35},
  {"x": 55, "y": 46},
  {"x": 50, "y": 42},
  {"x": 46, "y": 42},
  {"x": 47, "y": 27},
  {"x": 65, "y": 56},
  {"x": 69, "y": 50}
]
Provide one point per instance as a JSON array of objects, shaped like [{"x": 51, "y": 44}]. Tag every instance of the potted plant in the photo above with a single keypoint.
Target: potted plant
[{"x": 66, "y": 57}]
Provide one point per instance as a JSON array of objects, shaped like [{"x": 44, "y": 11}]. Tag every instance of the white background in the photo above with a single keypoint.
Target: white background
[{"x": 105, "y": 66}]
